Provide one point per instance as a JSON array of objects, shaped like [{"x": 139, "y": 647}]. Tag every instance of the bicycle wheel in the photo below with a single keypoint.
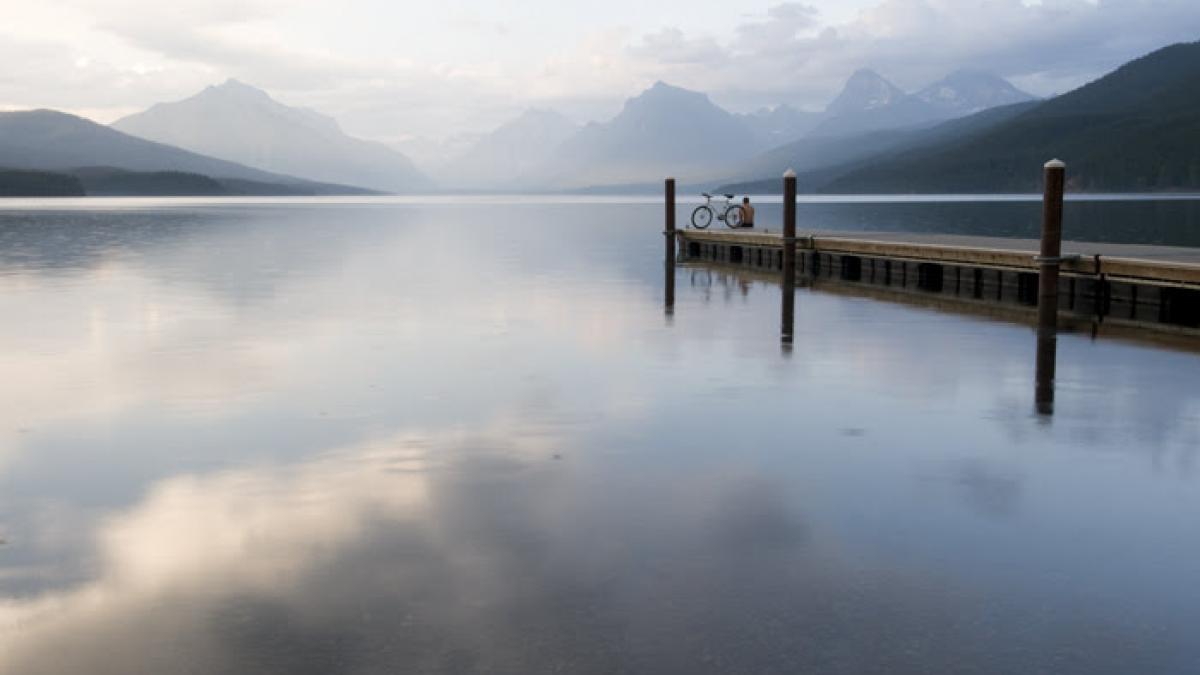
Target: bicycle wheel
[
  {"x": 702, "y": 217},
  {"x": 733, "y": 217}
]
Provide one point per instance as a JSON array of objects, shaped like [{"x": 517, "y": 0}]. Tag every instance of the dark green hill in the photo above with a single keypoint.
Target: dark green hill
[
  {"x": 15, "y": 183},
  {"x": 254, "y": 188},
  {"x": 109, "y": 182},
  {"x": 1136, "y": 129}
]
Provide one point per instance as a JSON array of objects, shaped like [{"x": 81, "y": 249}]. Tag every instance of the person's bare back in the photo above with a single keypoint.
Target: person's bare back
[{"x": 747, "y": 213}]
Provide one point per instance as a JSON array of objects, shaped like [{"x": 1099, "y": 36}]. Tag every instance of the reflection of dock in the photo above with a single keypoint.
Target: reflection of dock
[
  {"x": 744, "y": 277},
  {"x": 1146, "y": 285}
]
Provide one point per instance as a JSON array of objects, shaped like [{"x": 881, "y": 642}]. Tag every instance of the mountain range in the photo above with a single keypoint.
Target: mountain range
[
  {"x": 236, "y": 132},
  {"x": 869, "y": 102},
  {"x": 239, "y": 123},
  {"x": 1135, "y": 129},
  {"x": 669, "y": 130},
  {"x": 665, "y": 130}
]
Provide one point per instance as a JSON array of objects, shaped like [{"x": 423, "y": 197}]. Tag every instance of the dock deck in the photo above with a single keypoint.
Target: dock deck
[
  {"x": 1165, "y": 264},
  {"x": 1144, "y": 284}
]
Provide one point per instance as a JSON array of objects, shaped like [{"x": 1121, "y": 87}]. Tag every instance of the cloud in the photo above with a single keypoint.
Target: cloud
[
  {"x": 783, "y": 24},
  {"x": 790, "y": 55},
  {"x": 469, "y": 73},
  {"x": 670, "y": 46}
]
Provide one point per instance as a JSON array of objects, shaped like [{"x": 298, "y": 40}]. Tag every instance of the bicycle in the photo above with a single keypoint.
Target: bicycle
[{"x": 703, "y": 216}]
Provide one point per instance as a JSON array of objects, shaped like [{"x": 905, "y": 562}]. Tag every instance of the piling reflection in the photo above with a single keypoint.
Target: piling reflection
[
  {"x": 788, "y": 317},
  {"x": 730, "y": 280},
  {"x": 1047, "y": 357},
  {"x": 669, "y": 288},
  {"x": 669, "y": 246}
]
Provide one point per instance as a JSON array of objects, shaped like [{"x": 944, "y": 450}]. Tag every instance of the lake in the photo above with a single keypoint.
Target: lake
[{"x": 463, "y": 435}]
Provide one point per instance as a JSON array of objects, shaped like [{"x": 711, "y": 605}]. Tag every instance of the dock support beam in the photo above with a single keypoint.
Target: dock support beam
[
  {"x": 669, "y": 218},
  {"x": 1048, "y": 264},
  {"x": 789, "y": 257},
  {"x": 669, "y": 254}
]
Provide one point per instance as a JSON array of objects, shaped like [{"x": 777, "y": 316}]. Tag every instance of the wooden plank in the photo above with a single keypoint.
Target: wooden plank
[
  {"x": 1132, "y": 269},
  {"x": 1170, "y": 265}
]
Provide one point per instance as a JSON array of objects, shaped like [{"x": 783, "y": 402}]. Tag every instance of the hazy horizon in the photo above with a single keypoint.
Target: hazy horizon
[{"x": 398, "y": 74}]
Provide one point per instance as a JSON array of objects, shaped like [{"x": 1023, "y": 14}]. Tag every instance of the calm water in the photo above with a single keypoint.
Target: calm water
[{"x": 465, "y": 437}]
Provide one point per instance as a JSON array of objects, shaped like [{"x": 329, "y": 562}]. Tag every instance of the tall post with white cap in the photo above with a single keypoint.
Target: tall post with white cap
[
  {"x": 789, "y": 226},
  {"x": 669, "y": 217},
  {"x": 789, "y": 256},
  {"x": 1048, "y": 265},
  {"x": 669, "y": 253}
]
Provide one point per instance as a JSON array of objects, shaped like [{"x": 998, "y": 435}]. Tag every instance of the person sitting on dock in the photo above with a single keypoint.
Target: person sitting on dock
[{"x": 747, "y": 213}]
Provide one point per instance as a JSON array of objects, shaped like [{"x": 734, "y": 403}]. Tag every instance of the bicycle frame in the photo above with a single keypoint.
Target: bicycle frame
[
  {"x": 712, "y": 210},
  {"x": 719, "y": 209}
]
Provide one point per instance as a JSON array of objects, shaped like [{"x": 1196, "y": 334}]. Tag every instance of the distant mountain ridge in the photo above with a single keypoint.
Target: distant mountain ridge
[
  {"x": 48, "y": 140},
  {"x": 1135, "y": 129},
  {"x": 869, "y": 102},
  {"x": 773, "y": 127},
  {"x": 822, "y": 159},
  {"x": 669, "y": 130},
  {"x": 664, "y": 130},
  {"x": 965, "y": 92},
  {"x": 865, "y": 90},
  {"x": 504, "y": 157},
  {"x": 241, "y": 123},
  {"x": 59, "y": 143}
]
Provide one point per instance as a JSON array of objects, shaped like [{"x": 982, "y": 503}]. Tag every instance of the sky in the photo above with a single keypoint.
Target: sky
[{"x": 402, "y": 71}]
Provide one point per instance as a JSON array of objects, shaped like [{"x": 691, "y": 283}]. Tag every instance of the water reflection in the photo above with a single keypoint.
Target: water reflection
[
  {"x": 404, "y": 553},
  {"x": 1173, "y": 417},
  {"x": 787, "y": 299},
  {"x": 669, "y": 273},
  {"x": 1047, "y": 359},
  {"x": 354, "y": 440},
  {"x": 989, "y": 488}
]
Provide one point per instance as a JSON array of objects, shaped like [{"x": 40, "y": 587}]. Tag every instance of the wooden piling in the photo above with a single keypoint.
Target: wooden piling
[
  {"x": 1049, "y": 261},
  {"x": 788, "y": 309},
  {"x": 669, "y": 219},
  {"x": 789, "y": 228},
  {"x": 1051, "y": 250},
  {"x": 669, "y": 253}
]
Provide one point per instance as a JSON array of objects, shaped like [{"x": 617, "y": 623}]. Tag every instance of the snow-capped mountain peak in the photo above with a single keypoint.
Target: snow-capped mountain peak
[
  {"x": 968, "y": 91},
  {"x": 865, "y": 90}
]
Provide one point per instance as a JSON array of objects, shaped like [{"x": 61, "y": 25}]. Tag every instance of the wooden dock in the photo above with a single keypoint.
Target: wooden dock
[
  {"x": 1154, "y": 285},
  {"x": 1107, "y": 283}
]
